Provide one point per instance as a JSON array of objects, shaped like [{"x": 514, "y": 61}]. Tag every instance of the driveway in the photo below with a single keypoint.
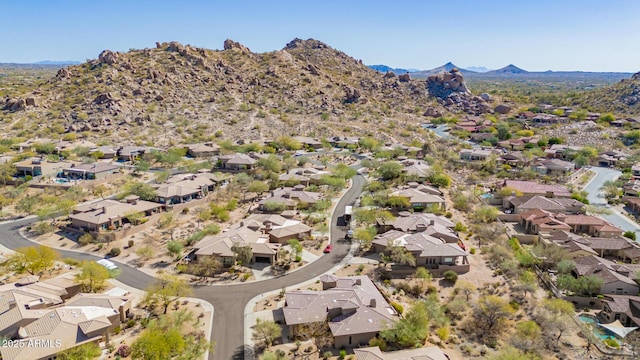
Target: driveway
[
  {"x": 229, "y": 301},
  {"x": 597, "y": 198}
]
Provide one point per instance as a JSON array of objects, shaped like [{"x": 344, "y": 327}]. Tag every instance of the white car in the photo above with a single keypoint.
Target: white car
[{"x": 108, "y": 264}]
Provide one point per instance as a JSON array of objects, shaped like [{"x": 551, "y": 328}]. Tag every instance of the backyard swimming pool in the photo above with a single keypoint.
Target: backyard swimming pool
[{"x": 598, "y": 331}]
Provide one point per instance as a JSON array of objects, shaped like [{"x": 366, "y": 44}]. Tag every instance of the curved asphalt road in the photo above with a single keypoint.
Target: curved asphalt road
[{"x": 229, "y": 301}]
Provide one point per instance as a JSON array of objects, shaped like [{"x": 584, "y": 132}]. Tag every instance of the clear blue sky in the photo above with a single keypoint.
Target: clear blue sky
[{"x": 539, "y": 35}]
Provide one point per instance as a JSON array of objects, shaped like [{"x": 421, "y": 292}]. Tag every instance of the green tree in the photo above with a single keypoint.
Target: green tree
[
  {"x": 134, "y": 217},
  {"x": 343, "y": 171},
  {"x": 465, "y": 288},
  {"x": 166, "y": 290},
  {"x": 296, "y": 247},
  {"x": 504, "y": 133},
  {"x": 143, "y": 190},
  {"x": 389, "y": 170},
  {"x": 485, "y": 214},
  {"x": 92, "y": 276},
  {"x": 244, "y": 254},
  {"x": 400, "y": 255},
  {"x": 32, "y": 259},
  {"x": 175, "y": 248},
  {"x": 369, "y": 143},
  {"x": 556, "y": 316},
  {"x": 27, "y": 204},
  {"x": 511, "y": 353},
  {"x": 409, "y": 331},
  {"x": 440, "y": 180},
  {"x": 490, "y": 312},
  {"x": 288, "y": 143},
  {"x": 628, "y": 234},
  {"x": 258, "y": 187},
  {"x": 145, "y": 252},
  {"x": 265, "y": 331},
  {"x": 527, "y": 336}
]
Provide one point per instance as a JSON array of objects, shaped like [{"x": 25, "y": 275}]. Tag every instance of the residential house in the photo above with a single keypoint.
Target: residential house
[
  {"x": 625, "y": 308},
  {"x": 616, "y": 278},
  {"x": 477, "y": 154},
  {"x": 633, "y": 203},
  {"x": 555, "y": 167},
  {"x": 131, "y": 153},
  {"x": 435, "y": 254},
  {"x": 420, "y": 199},
  {"x": 91, "y": 171},
  {"x": 548, "y": 119},
  {"x": 290, "y": 198},
  {"x": 635, "y": 171},
  {"x": 592, "y": 225},
  {"x": 515, "y": 159},
  {"x": 110, "y": 214},
  {"x": 309, "y": 142},
  {"x": 632, "y": 188},
  {"x": 611, "y": 158},
  {"x": 618, "y": 247},
  {"x": 105, "y": 152},
  {"x": 304, "y": 175},
  {"x": 353, "y": 307},
  {"x": 222, "y": 246},
  {"x": 522, "y": 204},
  {"x": 423, "y": 353},
  {"x": 473, "y": 124},
  {"x": 416, "y": 169},
  {"x": 185, "y": 187},
  {"x": 40, "y": 167},
  {"x": 437, "y": 226},
  {"x": 343, "y": 142},
  {"x": 537, "y": 220},
  {"x": 203, "y": 150},
  {"x": 236, "y": 162},
  {"x": 535, "y": 188},
  {"x": 560, "y": 151}
]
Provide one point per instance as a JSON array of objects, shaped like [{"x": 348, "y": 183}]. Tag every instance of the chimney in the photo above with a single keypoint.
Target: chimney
[
  {"x": 372, "y": 303},
  {"x": 432, "y": 222},
  {"x": 549, "y": 194},
  {"x": 358, "y": 281},
  {"x": 104, "y": 209}
]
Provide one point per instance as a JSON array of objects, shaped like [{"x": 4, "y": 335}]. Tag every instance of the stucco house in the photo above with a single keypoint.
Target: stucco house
[
  {"x": 110, "y": 214},
  {"x": 616, "y": 277},
  {"x": 91, "y": 171},
  {"x": 353, "y": 307}
]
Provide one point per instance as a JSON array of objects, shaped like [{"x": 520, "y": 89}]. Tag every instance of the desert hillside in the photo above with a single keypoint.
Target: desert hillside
[{"x": 180, "y": 93}]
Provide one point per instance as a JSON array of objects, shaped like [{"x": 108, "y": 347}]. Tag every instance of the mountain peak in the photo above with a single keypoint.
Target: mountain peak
[
  {"x": 509, "y": 69},
  {"x": 310, "y": 43}
]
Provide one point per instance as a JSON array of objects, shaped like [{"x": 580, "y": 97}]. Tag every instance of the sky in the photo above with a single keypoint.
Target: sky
[{"x": 584, "y": 35}]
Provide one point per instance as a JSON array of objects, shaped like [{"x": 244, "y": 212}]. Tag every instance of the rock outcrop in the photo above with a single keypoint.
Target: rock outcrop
[
  {"x": 108, "y": 57},
  {"x": 233, "y": 45},
  {"x": 502, "y": 109},
  {"x": 451, "y": 91}
]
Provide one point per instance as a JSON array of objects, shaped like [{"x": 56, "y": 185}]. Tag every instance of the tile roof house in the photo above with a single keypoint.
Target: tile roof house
[
  {"x": 535, "y": 188},
  {"x": 105, "y": 151},
  {"x": 291, "y": 198},
  {"x": 40, "y": 167},
  {"x": 611, "y": 157},
  {"x": 305, "y": 175},
  {"x": 420, "y": 199},
  {"x": 615, "y": 277},
  {"x": 437, "y": 226},
  {"x": 521, "y": 204},
  {"x": 416, "y": 169},
  {"x": 435, "y": 254},
  {"x": 353, "y": 307},
  {"x": 477, "y": 154},
  {"x": 553, "y": 167},
  {"x": 185, "y": 187},
  {"x": 203, "y": 150},
  {"x": 110, "y": 214},
  {"x": 625, "y": 308},
  {"x": 423, "y": 353},
  {"x": 237, "y": 162},
  {"x": 92, "y": 171},
  {"x": 309, "y": 142}
]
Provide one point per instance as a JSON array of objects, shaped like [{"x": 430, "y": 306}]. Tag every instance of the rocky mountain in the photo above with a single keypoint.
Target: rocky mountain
[
  {"x": 181, "y": 93},
  {"x": 441, "y": 69},
  {"x": 507, "y": 70},
  {"x": 623, "y": 97}
]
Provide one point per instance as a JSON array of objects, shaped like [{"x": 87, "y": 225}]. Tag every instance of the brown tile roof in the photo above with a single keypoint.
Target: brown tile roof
[{"x": 532, "y": 187}]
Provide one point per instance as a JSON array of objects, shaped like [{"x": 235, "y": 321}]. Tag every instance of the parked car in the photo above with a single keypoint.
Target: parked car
[
  {"x": 349, "y": 234},
  {"x": 328, "y": 249}
]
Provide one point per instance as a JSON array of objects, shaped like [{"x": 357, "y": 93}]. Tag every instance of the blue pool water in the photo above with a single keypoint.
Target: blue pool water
[{"x": 598, "y": 331}]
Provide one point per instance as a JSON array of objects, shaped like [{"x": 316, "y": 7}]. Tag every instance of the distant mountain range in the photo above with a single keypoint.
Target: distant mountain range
[
  {"x": 40, "y": 64},
  {"x": 508, "y": 72}
]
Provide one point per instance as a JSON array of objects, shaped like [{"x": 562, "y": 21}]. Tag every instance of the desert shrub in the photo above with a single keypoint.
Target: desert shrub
[
  {"x": 124, "y": 350},
  {"x": 450, "y": 276},
  {"x": 611, "y": 343},
  {"x": 114, "y": 251},
  {"x": 443, "y": 333},
  {"x": 85, "y": 239},
  {"x": 398, "y": 307},
  {"x": 472, "y": 251},
  {"x": 343, "y": 353}
]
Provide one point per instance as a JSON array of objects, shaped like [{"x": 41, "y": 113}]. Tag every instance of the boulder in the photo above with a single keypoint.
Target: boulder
[
  {"x": 404, "y": 77},
  {"x": 389, "y": 75},
  {"x": 351, "y": 94},
  {"x": 30, "y": 101},
  {"x": 14, "y": 105},
  {"x": 108, "y": 57},
  {"x": 485, "y": 97},
  {"x": 103, "y": 98},
  {"x": 231, "y": 45},
  {"x": 432, "y": 112},
  {"x": 175, "y": 46},
  {"x": 502, "y": 109}
]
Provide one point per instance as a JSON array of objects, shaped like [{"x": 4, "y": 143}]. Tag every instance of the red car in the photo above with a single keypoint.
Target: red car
[{"x": 328, "y": 249}]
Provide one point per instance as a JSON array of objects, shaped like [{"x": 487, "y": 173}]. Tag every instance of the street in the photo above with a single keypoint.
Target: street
[{"x": 596, "y": 198}]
